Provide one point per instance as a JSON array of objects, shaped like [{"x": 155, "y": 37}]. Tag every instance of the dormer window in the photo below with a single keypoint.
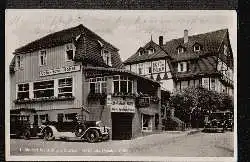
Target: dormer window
[
  {"x": 140, "y": 53},
  {"x": 106, "y": 55},
  {"x": 197, "y": 48},
  {"x": 180, "y": 50},
  {"x": 70, "y": 52},
  {"x": 151, "y": 51}
]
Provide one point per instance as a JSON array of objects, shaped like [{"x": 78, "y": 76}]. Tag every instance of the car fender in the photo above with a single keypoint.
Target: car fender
[
  {"x": 54, "y": 130},
  {"x": 89, "y": 128}
]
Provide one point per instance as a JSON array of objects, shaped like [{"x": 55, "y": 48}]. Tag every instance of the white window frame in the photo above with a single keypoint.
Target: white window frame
[
  {"x": 119, "y": 83},
  {"x": 17, "y": 89},
  {"x": 106, "y": 57},
  {"x": 44, "y": 57},
  {"x": 150, "y": 124},
  {"x": 71, "y": 47},
  {"x": 65, "y": 86},
  {"x": 44, "y": 88},
  {"x": 99, "y": 80},
  {"x": 197, "y": 50},
  {"x": 180, "y": 50}
]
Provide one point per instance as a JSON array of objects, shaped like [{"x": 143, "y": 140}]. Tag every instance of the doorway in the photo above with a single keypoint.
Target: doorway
[{"x": 121, "y": 126}]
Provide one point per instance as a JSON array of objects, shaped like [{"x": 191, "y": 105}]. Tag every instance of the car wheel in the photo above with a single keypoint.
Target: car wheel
[
  {"x": 27, "y": 134},
  {"x": 48, "y": 135},
  {"x": 79, "y": 131},
  {"x": 92, "y": 136}
]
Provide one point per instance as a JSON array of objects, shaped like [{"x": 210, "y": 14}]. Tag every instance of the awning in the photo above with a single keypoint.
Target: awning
[{"x": 148, "y": 111}]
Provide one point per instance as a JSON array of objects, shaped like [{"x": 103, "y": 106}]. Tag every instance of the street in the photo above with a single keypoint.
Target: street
[{"x": 164, "y": 144}]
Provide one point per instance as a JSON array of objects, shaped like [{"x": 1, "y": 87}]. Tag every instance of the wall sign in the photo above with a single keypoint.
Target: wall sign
[
  {"x": 120, "y": 105},
  {"x": 66, "y": 69}
]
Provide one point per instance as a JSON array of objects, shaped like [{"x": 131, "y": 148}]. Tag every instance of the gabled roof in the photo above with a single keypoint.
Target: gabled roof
[
  {"x": 210, "y": 43},
  {"x": 83, "y": 38},
  {"x": 159, "y": 53},
  {"x": 59, "y": 38}
]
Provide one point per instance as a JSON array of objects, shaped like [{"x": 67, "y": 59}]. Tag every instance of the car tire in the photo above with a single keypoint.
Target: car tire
[
  {"x": 92, "y": 136},
  {"x": 26, "y": 135},
  {"x": 48, "y": 134},
  {"x": 79, "y": 131}
]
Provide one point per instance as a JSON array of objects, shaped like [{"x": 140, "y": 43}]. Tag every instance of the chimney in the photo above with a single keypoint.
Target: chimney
[
  {"x": 161, "y": 40},
  {"x": 185, "y": 36}
]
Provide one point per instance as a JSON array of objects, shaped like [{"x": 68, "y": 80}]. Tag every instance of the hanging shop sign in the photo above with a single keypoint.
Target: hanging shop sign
[
  {"x": 62, "y": 70},
  {"x": 120, "y": 105}
]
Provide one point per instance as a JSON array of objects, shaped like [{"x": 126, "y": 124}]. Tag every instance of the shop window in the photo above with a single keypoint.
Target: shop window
[
  {"x": 23, "y": 91},
  {"x": 98, "y": 85},
  {"x": 43, "y": 58},
  {"x": 122, "y": 84},
  {"x": 70, "y": 51},
  {"x": 146, "y": 123},
  {"x": 65, "y": 87},
  {"x": 106, "y": 55},
  {"x": 71, "y": 116},
  {"x": 44, "y": 89}
]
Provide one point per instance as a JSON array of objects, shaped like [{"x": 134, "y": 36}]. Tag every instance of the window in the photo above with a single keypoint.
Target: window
[
  {"x": 70, "y": 51},
  {"x": 140, "y": 69},
  {"x": 106, "y": 55},
  {"x": 122, "y": 84},
  {"x": 43, "y": 89},
  {"x": 212, "y": 85},
  {"x": 98, "y": 85},
  {"x": 151, "y": 51},
  {"x": 19, "y": 62},
  {"x": 23, "y": 91},
  {"x": 183, "y": 66},
  {"x": 60, "y": 117},
  {"x": 43, "y": 58},
  {"x": 158, "y": 66},
  {"x": 180, "y": 50},
  {"x": 65, "y": 87},
  {"x": 71, "y": 116},
  {"x": 197, "y": 48},
  {"x": 146, "y": 123}
]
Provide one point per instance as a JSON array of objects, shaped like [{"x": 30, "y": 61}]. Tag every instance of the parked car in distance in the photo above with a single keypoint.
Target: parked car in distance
[
  {"x": 20, "y": 126},
  {"x": 92, "y": 131},
  {"x": 219, "y": 121}
]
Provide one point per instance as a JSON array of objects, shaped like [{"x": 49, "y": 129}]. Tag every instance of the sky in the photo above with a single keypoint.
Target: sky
[{"x": 125, "y": 29}]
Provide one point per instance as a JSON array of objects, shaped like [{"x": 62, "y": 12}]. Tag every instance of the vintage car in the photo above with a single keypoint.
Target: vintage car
[
  {"x": 92, "y": 131},
  {"x": 20, "y": 126},
  {"x": 219, "y": 121}
]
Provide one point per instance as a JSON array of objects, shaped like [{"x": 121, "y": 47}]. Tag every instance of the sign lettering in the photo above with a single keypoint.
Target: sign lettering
[{"x": 67, "y": 69}]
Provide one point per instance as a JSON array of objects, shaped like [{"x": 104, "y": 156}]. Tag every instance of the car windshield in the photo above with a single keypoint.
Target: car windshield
[
  {"x": 218, "y": 116},
  {"x": 99, "y": 124}
]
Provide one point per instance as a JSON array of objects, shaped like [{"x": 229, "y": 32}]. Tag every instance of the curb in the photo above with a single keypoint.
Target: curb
[{"x": 193, "y": 132}]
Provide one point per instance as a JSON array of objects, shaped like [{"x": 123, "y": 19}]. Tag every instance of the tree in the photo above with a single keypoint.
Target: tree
[{"x": 192, "y": 104}]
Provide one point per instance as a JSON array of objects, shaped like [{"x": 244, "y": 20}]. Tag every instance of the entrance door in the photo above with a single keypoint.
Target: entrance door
[{"x": 122, "y": 126}]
